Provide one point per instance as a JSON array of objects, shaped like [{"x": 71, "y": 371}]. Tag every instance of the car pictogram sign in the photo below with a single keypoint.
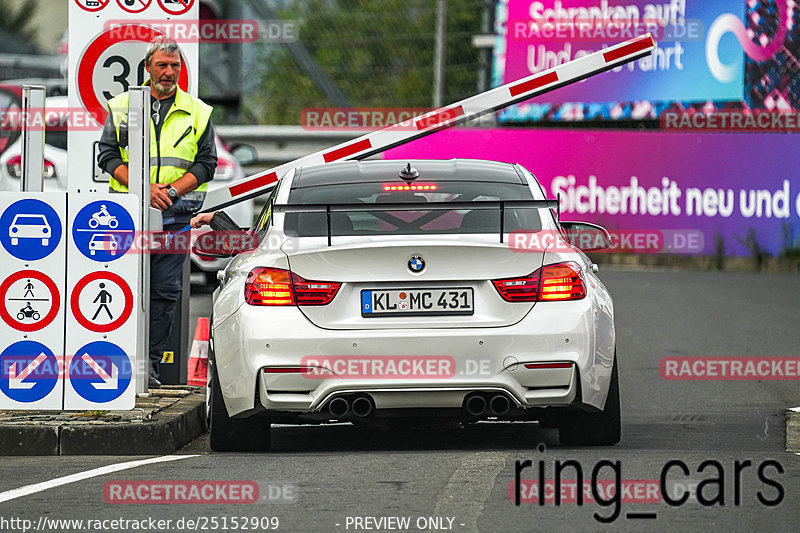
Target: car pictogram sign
[
  {"x": 30, "y": 229},
  {"x": 103, "y": 231}
]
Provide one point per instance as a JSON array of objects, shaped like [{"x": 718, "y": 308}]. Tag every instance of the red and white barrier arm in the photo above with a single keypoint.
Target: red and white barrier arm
[{"x": 439, "y": 119}]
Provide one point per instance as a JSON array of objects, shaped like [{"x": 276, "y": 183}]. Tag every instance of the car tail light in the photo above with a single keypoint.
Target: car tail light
[
  {"x": 276, "y": 286},
  {"x": 226, "y": 168},
  {"x": 14, "y": 167},
  {"x": 519, "y": 289},
  {"x": 269, "y": 286},
  {"x": 49, "y": 169},
  {"x": 558, "y": 282},
  {"x": 314, "y": 292},
  {"x": 562, "y": 281}
]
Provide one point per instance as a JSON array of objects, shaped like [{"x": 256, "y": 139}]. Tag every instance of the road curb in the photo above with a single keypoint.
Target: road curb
[
  {"x": 166, "y": 431},
  {"x": 793, "y": 430}
]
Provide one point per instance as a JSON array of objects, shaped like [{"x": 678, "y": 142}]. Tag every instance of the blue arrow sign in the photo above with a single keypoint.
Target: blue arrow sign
[
  {"x": 28, "y": 371},
  {"x": 30, "y": 229},
  {"x": 100, "y": 371},
  {"x": 103, "y": 231}
]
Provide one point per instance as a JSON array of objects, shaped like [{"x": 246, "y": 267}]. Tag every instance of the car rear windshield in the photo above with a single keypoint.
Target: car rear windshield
[{"x": 417, "y": 222}]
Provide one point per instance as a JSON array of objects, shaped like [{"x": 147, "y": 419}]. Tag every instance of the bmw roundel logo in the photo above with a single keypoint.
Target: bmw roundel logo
[{"x": 416, "y": 263}]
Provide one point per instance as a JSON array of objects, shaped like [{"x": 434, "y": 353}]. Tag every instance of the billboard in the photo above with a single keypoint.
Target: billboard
[
  {"x": 721, "y": 53},
  {"x": 737, "y": 189}
]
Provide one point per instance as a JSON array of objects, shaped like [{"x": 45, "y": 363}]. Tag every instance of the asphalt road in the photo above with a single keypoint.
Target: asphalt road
[{"x": 333, "y": 478}]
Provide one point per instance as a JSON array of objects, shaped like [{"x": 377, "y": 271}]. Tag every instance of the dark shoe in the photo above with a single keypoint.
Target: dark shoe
[{"x": 153, "y": 383}]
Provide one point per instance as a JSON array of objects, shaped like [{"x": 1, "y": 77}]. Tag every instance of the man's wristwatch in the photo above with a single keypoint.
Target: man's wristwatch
[{"x": 172, "y": 192}]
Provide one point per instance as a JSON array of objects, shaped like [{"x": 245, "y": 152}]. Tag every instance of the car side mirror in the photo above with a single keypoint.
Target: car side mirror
[
  {"x": 587, "y": 237},
  {"x": 245, "y": 154}
]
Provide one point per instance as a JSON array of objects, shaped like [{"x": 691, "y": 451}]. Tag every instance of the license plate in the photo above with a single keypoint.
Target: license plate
[{"x": 410, "y": 302}]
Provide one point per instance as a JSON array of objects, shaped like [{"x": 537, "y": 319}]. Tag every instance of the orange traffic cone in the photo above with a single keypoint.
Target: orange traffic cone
[{"x": 198, "y": 356}]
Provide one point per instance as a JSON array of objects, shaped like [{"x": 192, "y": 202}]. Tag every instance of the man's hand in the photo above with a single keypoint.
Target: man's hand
[
  {"x": 158, "y": 196},
  {"x": 121, "y": 174},
  {"x": 202, "y": 219}
]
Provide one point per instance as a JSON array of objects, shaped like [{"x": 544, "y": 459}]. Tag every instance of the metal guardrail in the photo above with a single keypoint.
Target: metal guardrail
[{"x": 32, "y": 66}]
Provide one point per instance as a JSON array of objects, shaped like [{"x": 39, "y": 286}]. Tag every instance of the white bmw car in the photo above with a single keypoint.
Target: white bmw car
[{"x": 393, "y": 293}]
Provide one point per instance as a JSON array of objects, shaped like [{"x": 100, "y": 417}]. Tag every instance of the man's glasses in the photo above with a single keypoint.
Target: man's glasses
[{"x": 156, "y": 115}]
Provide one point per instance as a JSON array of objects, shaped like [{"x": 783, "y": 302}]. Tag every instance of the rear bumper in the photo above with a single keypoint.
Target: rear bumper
[{"x": 469, "y": 360}]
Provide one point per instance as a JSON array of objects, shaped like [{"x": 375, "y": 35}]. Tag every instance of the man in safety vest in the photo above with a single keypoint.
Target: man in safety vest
[{"x": 183, "y": 157}]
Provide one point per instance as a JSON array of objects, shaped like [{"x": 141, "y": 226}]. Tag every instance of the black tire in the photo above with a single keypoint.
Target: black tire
[
  {"x": 582, "y": 428},
  {"x": 234, "y": 434}
]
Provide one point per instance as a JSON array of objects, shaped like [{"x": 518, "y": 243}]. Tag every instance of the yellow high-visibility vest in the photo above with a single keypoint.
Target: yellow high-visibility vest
[{"x": 174, "y": 152}]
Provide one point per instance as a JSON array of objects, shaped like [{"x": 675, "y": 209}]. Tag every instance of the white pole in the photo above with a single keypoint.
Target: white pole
[
  {"x": 139, "y": 184},
  {"x": 32, "y": 123}
]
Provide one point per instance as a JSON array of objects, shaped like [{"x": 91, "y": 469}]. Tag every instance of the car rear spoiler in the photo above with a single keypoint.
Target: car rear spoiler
[{"x": 499, "y": 206}]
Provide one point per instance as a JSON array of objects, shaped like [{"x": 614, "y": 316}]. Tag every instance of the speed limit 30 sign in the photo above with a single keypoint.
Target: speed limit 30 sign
[
  {"x": 106, "y": 57},
  {"x": 109, "y": 66}
]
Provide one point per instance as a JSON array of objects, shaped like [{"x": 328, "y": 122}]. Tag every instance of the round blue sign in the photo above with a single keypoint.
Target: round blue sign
[
  {"x": 30, "y": 229},
  {"x": 100, "y": 371},
  {"x": 103, "y": 231},
  {"x": 28, "y": 371}
]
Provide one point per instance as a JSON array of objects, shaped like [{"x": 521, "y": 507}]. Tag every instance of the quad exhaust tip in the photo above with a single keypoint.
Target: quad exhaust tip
[
  {"x": 476, "y": 405},
  {"x": 339, "y": 407},
  {"x": 479, "y": 404},
  {"x": 360, "y": 406},
  {"x": 499, "y": 404}
]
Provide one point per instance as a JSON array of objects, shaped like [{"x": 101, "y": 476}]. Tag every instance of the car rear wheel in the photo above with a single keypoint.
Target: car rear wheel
[
  {"x": 233, "y": 434},
  {"x": 594, "y": 429}
]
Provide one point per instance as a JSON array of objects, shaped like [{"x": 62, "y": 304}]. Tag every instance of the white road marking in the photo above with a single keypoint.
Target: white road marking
[
  {"x": 80, "y": 476},
  {"x": 465, "y": 494}
]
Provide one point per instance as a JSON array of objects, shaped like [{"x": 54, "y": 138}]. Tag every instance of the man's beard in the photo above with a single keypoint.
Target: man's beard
[{"x": 163, "y": 90}]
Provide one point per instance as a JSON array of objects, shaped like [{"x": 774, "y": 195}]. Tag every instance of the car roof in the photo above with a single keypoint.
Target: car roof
[{"x": 348, "y": 172}]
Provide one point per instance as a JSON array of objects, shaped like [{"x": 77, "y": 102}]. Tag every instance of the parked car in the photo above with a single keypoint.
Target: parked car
[
  {"x": 55, "y": 173},
  {"x": 367, "y": 266},
  {"x": 11, "y": 103}
]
